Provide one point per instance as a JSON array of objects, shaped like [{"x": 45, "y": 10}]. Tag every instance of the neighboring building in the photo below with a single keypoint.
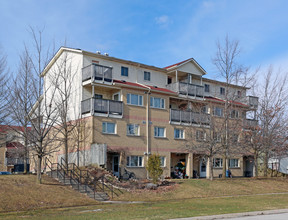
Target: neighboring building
[
  {"x": 133, "y": 110},
  {"x": 12, "y": 150}
]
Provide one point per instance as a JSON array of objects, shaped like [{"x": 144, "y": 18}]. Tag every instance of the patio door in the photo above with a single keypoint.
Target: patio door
[
  {"x": 115, "y": 165},
  {"x": 203, "y": 163}
]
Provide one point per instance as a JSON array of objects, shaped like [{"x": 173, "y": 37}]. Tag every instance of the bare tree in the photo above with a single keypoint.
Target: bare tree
[
  {"x": 272, "y": 114},
  {"x": 22, "y": 101},
  {"x": 227, "y": 64},
  {"x": 62, "y": 78},
  {"x": 4, "y": 85},
  {"x": 43, "y": 114}
]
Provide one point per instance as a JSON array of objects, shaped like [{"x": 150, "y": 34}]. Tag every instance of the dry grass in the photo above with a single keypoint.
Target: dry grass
[
  {"x": 20, "y": 192},
  {"x": 202, "y": 188}
]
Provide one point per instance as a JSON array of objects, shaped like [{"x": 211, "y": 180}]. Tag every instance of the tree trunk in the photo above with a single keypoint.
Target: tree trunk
[
  {"x": 39, "y": 163},
  {"x": 211, "y": 168},
  {"x": 265, "y": 164},
  {"x": 224, "y": 167},
  {"x": 256, "y": 164}
]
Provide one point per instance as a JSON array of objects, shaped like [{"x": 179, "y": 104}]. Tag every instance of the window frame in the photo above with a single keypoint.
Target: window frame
[
  {"x": 156, "y": 132},
  {"x": 152, "y": 102},
  {"x": 222, "y": 91},
  {"x": 134, "y": 134},
  {"x": 206, "y": 88},
  {"x": 147, "y": 73},
  {"x": 234, "y": 113},
  {"x": 163, "y": 161},
  {"x": 181, "y": 134},
  {"x": 220, "y": 163},
  {"x": 124, "y": 71},
  {"x": 106, "y": 128},
  {"x": 202, "y": 134},
  {"x": 139, "y": 162},
  {"x": 214, "y": 111},
  {"x": 129, "y": 98},
  {"x": 234, "y": 159}
]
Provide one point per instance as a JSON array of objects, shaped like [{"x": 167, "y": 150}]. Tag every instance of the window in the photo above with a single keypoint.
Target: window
[
  {"x": 239, "y": 94},
  {"x": 217, "y": 162},
  {"x": 135, "y": 161},
  {"x": 235, "y": 138},
  {"x": 133, "y": 99},
  {"x": 157, "y": 102},
  {"x": 204, "y": 110},
  {"x": 206, "y": 88},
  {"x": 222, "y": 91},
  {"x": 169, "y": 80},
  {"x": 178, "y": 133},
  {"x": 98, "y": 96},
  {"x": 108, "y": 128},
  {"x": 200, "y": 135},
  {"x": 124, "y": 71},
  {"x": 233, "y": 163},
  {"x": 159, "y": 132},
  {"x": 162, "y": 159},
  {"x": 234, "y": 114},
  {"x": 133, "y": 129},
  {"x": 217, "y": 136},
  {"x": 147, "y": 76},
  {"x": 218, "y": 111}
]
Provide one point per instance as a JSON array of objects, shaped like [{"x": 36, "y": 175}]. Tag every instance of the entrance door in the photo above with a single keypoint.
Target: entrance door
[
  {"x": 203, "y": 167},
  {"x": 115, "y": 165}
]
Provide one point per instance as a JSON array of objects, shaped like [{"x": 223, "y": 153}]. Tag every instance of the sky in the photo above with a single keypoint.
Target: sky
[{"x": 158, "y": 32}]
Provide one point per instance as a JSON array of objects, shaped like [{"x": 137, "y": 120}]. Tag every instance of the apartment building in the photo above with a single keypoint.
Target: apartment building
[{"x": 132, "y": 110}]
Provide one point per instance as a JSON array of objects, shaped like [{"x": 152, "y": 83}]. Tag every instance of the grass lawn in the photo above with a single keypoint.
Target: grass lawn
[{"x": 188, "y": 198}]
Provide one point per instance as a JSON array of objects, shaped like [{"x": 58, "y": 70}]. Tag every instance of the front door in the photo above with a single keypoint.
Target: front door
[
  {"x": 203, "y": 167},
  {"x": 115, "y": 165}
]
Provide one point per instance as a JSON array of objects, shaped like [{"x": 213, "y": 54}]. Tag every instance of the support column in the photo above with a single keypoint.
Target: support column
[{"x": 189, "y": 166}]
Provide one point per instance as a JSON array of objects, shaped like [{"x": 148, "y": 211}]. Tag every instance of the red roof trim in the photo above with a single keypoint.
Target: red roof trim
[
  {"x": 177, "y": 64},
  {"x": 221, "y": 100},
  {"x": 158, "y": 89}
]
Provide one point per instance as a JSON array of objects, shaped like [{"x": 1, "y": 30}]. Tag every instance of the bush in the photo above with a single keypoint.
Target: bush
[{"x": 154, "y": 167}]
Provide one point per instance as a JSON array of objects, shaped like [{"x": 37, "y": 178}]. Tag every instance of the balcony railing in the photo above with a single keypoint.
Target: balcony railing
[
  {"x": 250, "y": 123},
  {"x": 187, "y": 89},
  {"x": 189, "y": 117},
  {"x": 252, "y": 101},
  {"x": 14, "y": 161},
  {"x": 96, "y": 72},
  {"x": 102, "y": 106}
]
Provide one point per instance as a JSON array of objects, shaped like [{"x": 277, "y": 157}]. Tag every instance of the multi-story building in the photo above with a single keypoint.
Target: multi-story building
[{"x": 133, "y": 110}]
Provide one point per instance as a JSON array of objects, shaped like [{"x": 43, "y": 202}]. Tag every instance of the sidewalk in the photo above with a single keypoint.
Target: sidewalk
[{"x": 236, "y": 215}]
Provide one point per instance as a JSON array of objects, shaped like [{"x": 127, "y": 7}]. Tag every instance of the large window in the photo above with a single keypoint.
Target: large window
[
  {"x": 222, "y": 91},
  {"x": 206, "y": 88},
  {"x": 217, "y": 162},
  {"x": 108, "y": 128},
  {"x": 217, "y": 136},
  {"x": 124, "y": 71},
  {"x": 218, "y": 111},
  {"x": 178, "y": 133},
  {"x": 133, "y": 129},
  {"x": 134, "y": 161},
  {"x": 159, "y": 132},
  {"x": 200, "y": 135},
  {"x": 157, "y": 102},
  {"x": 147, "y": 75},
  {"x": 234, "y": 114},
  {"x": 233, "y": 163},
  {"x": 133, "y": 99}
]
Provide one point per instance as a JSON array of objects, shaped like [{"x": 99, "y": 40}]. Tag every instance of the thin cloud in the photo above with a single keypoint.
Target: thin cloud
[{"x": 163, "y": 21}]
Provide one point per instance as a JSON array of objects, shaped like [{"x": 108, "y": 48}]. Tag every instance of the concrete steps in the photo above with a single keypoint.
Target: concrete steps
[{"x": 84, "y": 189}]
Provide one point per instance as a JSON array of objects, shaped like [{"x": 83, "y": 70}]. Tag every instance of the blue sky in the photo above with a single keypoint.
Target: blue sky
[{"x": 159, "y": 32}]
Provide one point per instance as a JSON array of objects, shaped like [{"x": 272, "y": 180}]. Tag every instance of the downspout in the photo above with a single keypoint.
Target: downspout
[{"x": 147, "y": 123}]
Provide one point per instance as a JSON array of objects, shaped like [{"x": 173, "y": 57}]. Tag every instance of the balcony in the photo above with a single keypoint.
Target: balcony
[
  {"x": 102, "y": 107},
  {"x": 97, "y": 73},
  {"x": 14, "y": 161},
  {"x": 187, "y": 89},
  {"x": 188, "y": 117},
  {"x": 250, "y": 123},
  {"x": 252, "y": 101}
]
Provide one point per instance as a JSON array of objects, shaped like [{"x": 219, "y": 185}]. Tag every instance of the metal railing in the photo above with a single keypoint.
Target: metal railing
[
  {"x": 97, "y": 72},
  {"x": 189, "y": 117},
  {"x": 187, "y": 89},
  {"x": 80, "y": 177},
  {"x": 104, "y": 106},
  {"x": 250, "y": 123},
  {"x": 252, "y": 101}
]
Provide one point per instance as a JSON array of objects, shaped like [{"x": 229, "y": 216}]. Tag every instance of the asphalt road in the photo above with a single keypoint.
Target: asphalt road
[{"x": 283, "y": 216}]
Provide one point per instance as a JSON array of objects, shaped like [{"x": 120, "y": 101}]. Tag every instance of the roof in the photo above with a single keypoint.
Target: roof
[
  {"x": 221, "y": 100},
  {"x": 177, "y": 64},
  {"x": 138, "y": 85},
  {"x": 184, "y": 62},
  {"x": 13, "y": 145},
  {"x": 5, "y": 128}
]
